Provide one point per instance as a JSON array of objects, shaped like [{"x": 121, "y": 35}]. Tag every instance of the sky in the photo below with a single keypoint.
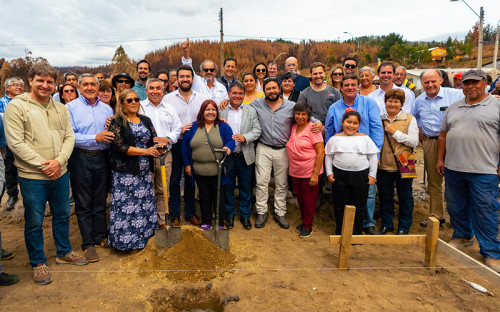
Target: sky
[{"x": 87, "y": 33}]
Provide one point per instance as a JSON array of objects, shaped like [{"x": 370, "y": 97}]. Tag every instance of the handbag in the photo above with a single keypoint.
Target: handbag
[
  {"x": 225, "y": 169},
  {"x": 405, "y": 162}
]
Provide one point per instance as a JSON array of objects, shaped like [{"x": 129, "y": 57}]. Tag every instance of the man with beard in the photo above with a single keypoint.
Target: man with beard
[
  {"x": 206, "y": 85},
  {"x": 187, "y": 103},
  {"x": 385, "y": 74},
  {"x": 319, "y": 95},
  {"x": 143, "y": 71},
  {"x": 89, "y": 164},
  {"x": 168, "y": 129},
  {"x": 230, "y": 67},
  {"x": 13, "y": 87},
  {"x": 275, "y": 116}
]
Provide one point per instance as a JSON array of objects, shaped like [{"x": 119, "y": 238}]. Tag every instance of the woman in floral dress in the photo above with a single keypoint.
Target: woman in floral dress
[{"x": 133, "y": 218}]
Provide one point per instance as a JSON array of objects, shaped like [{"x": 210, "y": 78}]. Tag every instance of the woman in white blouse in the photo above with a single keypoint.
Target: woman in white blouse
[{"x": 401, "y": 131}]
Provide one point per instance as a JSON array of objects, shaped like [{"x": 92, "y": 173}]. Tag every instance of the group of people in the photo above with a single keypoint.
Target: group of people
[{"x": 108, "y": 137}]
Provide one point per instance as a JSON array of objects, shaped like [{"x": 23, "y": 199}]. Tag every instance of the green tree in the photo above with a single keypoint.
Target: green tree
[
  {"x": 387, "y": 43},
  {"x": 451, "y": 49},
  {"x": 121, "y": 63}
]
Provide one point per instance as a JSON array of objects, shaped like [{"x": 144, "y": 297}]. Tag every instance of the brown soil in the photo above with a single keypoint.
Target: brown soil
[{"x": 267, "y": 269}]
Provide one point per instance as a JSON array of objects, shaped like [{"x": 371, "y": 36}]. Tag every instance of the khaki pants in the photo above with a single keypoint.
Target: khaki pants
[
  {"x": 434, "y": 180},
  {"x": 160, "y": 204},
  {"x": 267, "y": 159}
]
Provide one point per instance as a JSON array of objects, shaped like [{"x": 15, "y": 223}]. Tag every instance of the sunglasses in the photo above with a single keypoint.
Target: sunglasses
[
  {"x": 164, "y": 80},
  {"x": 130, "y": 100},
  {"x": 350, "y": 66},
  {"x": 337, "y": 74},
  {"x": 261, "y": 70},
  {"x": 124, "y": 81},
  {"x": 206, "y": 70},
  {"x": 69, "y": 91}
]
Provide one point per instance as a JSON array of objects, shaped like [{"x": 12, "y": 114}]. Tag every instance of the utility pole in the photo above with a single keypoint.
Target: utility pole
[
  {"x": 480, "y": 43},
  {"x": 221, "y": 41}
]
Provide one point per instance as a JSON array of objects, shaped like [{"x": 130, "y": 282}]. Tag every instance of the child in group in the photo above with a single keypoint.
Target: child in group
[{"x": 351, "y": 165}]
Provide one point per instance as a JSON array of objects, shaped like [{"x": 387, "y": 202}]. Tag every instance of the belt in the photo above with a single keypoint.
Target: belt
[
  {"x": 238, "y": 153},
  {"x": 89, "y": 152},
  {"x": 432, "y": 138},
  {"x": 274, "y": 147}
]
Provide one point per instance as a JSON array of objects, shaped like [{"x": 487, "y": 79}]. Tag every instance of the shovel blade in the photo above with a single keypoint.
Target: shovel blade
[
  {"x": 220, "y": 238},
  {"x": 166, "y": 238}
]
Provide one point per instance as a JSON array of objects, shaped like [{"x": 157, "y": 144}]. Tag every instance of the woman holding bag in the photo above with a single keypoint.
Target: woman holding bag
[{"x": 396, "y": 163}]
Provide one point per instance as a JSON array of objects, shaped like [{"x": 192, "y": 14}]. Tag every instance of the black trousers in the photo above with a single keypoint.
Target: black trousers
[
  {"x": 207, "y": 187},
  {"x": 89, "y": 179},
  {"x": 10, "y": 174},
  {"x": 350, "y": 188}
]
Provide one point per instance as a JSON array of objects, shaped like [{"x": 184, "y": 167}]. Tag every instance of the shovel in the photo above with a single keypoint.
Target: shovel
[
  {"x": 219, "y": 237},
  {"x": 168, "y": 236}
]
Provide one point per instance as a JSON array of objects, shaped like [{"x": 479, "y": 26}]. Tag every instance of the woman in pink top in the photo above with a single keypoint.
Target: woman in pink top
[{"x": 306, "y": 152}]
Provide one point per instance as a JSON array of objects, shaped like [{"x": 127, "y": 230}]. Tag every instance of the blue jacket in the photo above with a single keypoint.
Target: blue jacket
[
  {"x": 3, "y": 142},
  {"x": 227, "y": 139}
]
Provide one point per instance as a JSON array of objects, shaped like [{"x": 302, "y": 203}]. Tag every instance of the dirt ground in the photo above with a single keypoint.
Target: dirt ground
[{"x": 267, "y": 269}]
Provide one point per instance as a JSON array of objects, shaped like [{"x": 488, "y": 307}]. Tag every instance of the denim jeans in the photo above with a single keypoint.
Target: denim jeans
[
  {"x": 386, "y": 180},
  {"x": 370, "y": 207},
  {"x": 175, "y": 186},
  {"x": 472, "y": 204},
  {"x": 238, "y": 168},
  {"x": 36, "y": 193}
]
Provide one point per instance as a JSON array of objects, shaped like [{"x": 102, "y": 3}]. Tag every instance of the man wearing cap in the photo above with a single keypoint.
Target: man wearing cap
[
  {"x": 429, "y": 110},
  {"x": 457, "y": 84},
  {"x": 143, "y": 71},
  {"x": 207, "y": 85},
  {"x": 122, "y": 81},
  {"x": 468, "y": 157}
]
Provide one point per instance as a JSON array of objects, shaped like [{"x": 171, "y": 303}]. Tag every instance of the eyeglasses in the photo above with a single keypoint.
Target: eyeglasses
[
  {"x": 206, "y": 70},
  {"x": 350, "y": 66},
  {"x": 17, "y": 85},
  {"x": 337, "y": 74},
  {"x": 69, "y": 91},
  {"x": 163, "y": 80},
  {"x": 400, "y": 74},
  {"x": 130, "y": 100},
  {"x": 261, "y": 70},
  {"x": 123, "y": 81}
]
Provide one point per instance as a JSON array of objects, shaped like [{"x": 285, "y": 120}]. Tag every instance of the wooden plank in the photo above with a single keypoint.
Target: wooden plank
[
  {"x": 345, "y": 238},
  {"x": 431, "y": 242},
  {"x": 470, "y": 262},
  {"x": 381, "y": 239}
]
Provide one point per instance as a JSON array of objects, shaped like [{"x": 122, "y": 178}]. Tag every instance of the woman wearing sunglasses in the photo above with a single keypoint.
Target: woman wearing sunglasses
[
  {"x": 336, "y": 77},
  {"x": 67, "y": 93},
  {"x": 260, "y": 71},
  {"x": 132, "y": 218}
]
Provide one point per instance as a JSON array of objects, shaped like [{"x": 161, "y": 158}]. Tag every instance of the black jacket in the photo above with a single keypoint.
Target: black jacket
[{"x": 124, "y": 138}]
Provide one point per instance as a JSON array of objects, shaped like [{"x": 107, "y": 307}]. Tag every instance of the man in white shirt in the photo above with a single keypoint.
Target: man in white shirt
[
  {"x": 207, "y": 85},
  {"x": 168, "y": 128},
  {"x": 385, "y": 74},
  {"x": 187, "y": 103}
]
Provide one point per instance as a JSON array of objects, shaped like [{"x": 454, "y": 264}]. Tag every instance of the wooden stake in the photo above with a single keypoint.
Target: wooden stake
[
  {"x": 431, "y": 242},
  {"x": 345, "y": 239}
]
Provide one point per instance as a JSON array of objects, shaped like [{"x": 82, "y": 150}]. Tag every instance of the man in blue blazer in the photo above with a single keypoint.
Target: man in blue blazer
[{"x": 245, "y": 124}]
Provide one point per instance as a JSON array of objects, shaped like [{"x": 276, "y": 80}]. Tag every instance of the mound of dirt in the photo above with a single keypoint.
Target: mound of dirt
[{"x": 193, "y": 259}]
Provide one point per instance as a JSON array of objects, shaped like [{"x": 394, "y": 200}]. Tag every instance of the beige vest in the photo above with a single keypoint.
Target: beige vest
[{"x": 401, "y": 123}]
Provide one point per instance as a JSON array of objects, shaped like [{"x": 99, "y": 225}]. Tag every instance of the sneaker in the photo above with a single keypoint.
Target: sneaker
[
  {"x": 493, "y": 264},
  {"x": 205, "y": 227},
  {"x": 6, "y": 255},
  {"x": 281, "y": 220},
  {"x": 261, "y": 220},
  {"x": 305, "y": 233},
  {"x": 460, "y": 243},
  {"x": 298, "y": 228},
  {"x": 71, "y": 201},
  {"x": 72, "y": 258},
  {"x": 8, "y": 279},
  {"x": 41, "y": 274},
  {"x": 103, "y": 244},
  {"x": 11, "y": 202},
  {"x": 91, "y": 254}
]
